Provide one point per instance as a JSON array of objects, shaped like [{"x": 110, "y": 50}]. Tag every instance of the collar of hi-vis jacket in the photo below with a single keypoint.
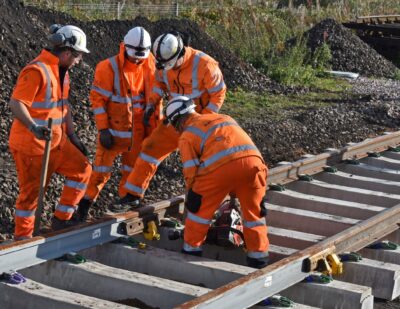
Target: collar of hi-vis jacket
[{"x": 47, "y": 58}]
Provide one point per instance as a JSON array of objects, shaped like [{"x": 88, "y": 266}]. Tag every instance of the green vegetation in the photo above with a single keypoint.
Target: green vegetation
[{"x": 325, "y": 91}]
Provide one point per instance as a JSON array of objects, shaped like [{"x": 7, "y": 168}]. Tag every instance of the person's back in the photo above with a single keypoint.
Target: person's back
[{"x": 216, "y": 139}]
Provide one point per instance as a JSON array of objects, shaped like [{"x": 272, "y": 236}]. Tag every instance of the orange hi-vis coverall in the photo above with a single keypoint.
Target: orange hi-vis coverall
[
  {"x": 219, "y": 158},
  {"x": 119, "y": 92},
  {"x": 38, "y": 87},
  {"x": 198, "y": 78}
]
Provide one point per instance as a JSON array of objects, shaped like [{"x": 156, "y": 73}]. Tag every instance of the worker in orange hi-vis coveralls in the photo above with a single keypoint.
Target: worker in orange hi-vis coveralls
[
  {"x": 219, "y": 158},
  {"x": 122, "y": 84},
  {"x": 41, "y": 93},
  {"x": 182, "y": 70}
]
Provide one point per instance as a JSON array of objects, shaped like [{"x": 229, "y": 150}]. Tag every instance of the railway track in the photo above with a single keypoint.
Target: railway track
[
  {"x": 339, "y": 201},
  {"x": 381, "y": 32}
]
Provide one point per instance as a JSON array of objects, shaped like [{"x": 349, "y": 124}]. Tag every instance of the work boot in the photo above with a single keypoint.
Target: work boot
[
  {"x": 126, "y": 203},
  {"x": 257, "y": 262},
  {"x": 82, "y": 213},
  {"x": 58, "y": 224}
]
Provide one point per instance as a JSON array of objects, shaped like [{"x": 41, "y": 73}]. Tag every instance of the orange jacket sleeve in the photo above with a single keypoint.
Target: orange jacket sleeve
[
  {"x": 190, "y": 161},
  {"x": 215, "y": 85},
  {"x": 101, "y": 92},
  {"x": 28, "y": 84}
]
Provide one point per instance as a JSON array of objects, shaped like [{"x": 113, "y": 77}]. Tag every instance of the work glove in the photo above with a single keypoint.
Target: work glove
[
  {"x": 78, "y": 143},
  {"x": 106, "y": 138},
  {"x": 148, "y": 111},
  {"x": 40, "y": 132}
]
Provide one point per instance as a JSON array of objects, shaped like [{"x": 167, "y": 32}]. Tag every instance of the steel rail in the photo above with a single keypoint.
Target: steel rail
[
  {"x": 29, "y": 252},
  {"x": 251, "y": 289},
  {"x": 247, "y": 290},
  {"x": 314, "y": 164}
]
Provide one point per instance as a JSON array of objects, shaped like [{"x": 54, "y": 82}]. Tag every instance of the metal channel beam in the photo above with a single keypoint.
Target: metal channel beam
[
  {"x": 39, "y": 249},
  {"x": 265, "y": 282}
]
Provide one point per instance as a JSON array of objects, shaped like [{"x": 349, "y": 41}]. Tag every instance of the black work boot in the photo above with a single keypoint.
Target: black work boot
[
  {"x": 195, "y": 253},
  {"x": 82, "y": 213},
  {"x": 58, "y": 224},
  {"x": 126, "y": 203},
  {"x": 257, "y": 262}
]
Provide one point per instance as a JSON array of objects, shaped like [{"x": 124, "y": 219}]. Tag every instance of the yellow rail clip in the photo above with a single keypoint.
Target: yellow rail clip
[
  {"x": 325, "y": 262},
  {"x": 151, "y": 232}
]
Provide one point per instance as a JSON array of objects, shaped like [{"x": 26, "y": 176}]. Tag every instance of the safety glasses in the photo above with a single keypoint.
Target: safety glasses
[{"x": 137, "y": 52}]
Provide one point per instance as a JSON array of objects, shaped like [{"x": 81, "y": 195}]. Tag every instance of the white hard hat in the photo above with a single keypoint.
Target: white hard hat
[
  {"x": 178, "y": 106},
  {"x": 167, "y": 49},
  {"x": 69, "y": 36},
  {"x": 138, "y": 43}
]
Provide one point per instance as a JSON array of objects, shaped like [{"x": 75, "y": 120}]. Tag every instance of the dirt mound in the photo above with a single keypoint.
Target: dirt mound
[{"x": 349, "y": 52}]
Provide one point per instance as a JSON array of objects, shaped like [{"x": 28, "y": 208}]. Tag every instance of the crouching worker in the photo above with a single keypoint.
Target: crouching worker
[
  {"x": 218, "y": 158},
  {"x": 41, "y": 93}
]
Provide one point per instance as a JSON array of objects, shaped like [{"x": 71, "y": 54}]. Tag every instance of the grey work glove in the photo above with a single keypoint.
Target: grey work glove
[
  {"x": 78, "y": 143},
  {"x": 148, "y": 111},
  {"x": 41, "y": 132},
  {"x": 106, "y": 138}
]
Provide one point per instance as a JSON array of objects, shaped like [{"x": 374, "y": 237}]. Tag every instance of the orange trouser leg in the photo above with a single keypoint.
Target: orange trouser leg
[
  {"x": 101, "y": 173},
  {"x": 128, "y": 162},
  {"x": 246, "y": 177},
  {"x": 76, "y": 168},
  {"x": 250, "y": 194},
  {"x": 162, "y": 141},
  {"x": 28, "y": 171}
]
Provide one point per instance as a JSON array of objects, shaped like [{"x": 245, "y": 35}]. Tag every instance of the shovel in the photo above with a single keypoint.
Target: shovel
[{"x": 43, "y": 178}]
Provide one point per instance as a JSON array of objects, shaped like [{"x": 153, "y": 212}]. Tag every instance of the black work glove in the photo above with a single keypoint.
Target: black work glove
[
  {"x": 40, "y": 132},
  {"x": 148, "y": 111},
  {"x": 78, "y": 143},
  {"x": 106, "y": 139},
  {"x": 193, "y": 201}
]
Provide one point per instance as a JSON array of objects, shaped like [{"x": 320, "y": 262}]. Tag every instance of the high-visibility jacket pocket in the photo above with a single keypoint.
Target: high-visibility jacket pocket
[{"x": 193, "y": 201}]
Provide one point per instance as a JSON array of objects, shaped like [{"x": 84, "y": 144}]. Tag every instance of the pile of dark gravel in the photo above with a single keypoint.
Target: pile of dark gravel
[{"x": 349, "y": 52}]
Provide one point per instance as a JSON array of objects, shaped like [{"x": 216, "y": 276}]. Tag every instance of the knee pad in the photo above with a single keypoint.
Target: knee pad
[
  {"x": 193, "y": 201},
  {"x": 263, "y": 211}
]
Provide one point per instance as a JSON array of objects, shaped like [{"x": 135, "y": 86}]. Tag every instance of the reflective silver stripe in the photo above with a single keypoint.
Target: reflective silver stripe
[
  {"x": 102, "y": 169},
  {"x": 138, "y": 105},
  {"x": 117, "y": 86},
  {"x": 119, "y": 99},
  {"x": 225, "y": 153},
  {"x": 217, "y": 88},
  {"x": 196, "y": 131},
  {"x": 165, "y": 79},
  {"x": 41, "y": 122},
  {"x": 134, "y": 188},
  {"x": 194, "y": 95},
  {"x": 103, "y": 92},
  {"x": 126, "y": 168},
  {"x": 48, "y": 81},
  {"x": 257, "y": 254},
  {"x": 189, "y": 248},
  {"x": 149, "y": 159},
  {"x": 195, "y": 70},
  {"x": 65, "y": 208},
  {"x": 99, "y": 110},
  {"x": 251, "y": 224},
  {"x": 138, "y": 97},
  {"x": 211, "y": 130},
  {"x": 24, "y": 213},
  {"x": 191, "y": 163},
  {"x": 47, "y": 105},
  {"x": 212, "y": 107},
  {"x": 158, "y": 91},
  {"x": 75, "y": 184},
  {"x": 197, "y": 219},
  {"x": 121, "y": 134},
  {"x": 158, "y": 77}
]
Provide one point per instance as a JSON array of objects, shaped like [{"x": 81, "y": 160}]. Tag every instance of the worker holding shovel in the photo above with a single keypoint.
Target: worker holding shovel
[{"x": 41, "y": 94}]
